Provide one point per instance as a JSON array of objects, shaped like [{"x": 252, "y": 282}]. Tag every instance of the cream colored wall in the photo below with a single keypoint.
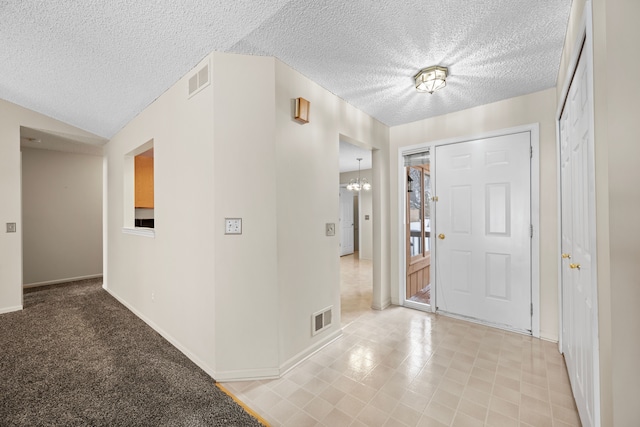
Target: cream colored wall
[
  {"x": 238, "y": 305},
  {"x": 365, "y": 200},
  {"x": 308, "y": 269},
  {"x": 11, "y": 118},
  {"x": 247, "y": 298},
  {"x": 169, "y": 280},
  {"x": 534, "y": 108},
  {"x": 622, "y": 112},
  {"x": 62, "y": 216}
]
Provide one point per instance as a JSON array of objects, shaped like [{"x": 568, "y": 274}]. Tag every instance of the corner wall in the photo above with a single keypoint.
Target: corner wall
[
  {"x": 307, "y": 177},
  {"x": 539, "y": 108},
  {"x": 11, "y": 118}
]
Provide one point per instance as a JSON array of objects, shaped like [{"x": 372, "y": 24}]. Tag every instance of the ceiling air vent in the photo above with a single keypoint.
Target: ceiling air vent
[
  {"x": 199, "y": 80},
  {"x": 321, "y": 320}
]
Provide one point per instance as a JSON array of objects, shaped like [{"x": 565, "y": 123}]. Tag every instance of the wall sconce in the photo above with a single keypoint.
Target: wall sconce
[{"x": 301, "y": 114}]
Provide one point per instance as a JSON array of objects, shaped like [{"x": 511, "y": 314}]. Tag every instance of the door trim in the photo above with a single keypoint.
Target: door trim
[{"x": 534, "y": 131}]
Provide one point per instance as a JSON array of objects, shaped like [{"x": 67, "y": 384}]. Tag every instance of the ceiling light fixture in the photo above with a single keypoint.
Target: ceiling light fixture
[
  {"x": 431, "y": 79},
  {"x": 359, "y": 184}
]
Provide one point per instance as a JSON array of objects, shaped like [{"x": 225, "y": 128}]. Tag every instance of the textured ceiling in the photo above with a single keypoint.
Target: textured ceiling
[{"x": 96, "y": 64}]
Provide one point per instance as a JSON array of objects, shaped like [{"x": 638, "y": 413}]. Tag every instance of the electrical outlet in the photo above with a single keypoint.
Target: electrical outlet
[
  {"x": 330, "y": 229},
  {"x": 233, "y": 226},
  {"x": 11, "y": 227}
]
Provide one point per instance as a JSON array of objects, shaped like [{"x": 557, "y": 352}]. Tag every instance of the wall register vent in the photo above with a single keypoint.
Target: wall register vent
[
  {"x": 321, "y": 320},
  {"x": 199, "y": 80}
]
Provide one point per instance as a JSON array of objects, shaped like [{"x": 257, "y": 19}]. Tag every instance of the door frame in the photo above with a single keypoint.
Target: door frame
[
  {"x": 534, "y": 131},
  {"x": 583, "y": 45}
]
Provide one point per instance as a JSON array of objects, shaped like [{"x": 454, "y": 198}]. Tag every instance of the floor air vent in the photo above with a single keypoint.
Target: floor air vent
[
  {"x": 320, "y": 320},
  {"x": 199, "y": 80}
]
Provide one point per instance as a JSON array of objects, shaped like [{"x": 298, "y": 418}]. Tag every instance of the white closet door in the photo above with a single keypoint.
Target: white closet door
[{"x": 579, "y": 317}]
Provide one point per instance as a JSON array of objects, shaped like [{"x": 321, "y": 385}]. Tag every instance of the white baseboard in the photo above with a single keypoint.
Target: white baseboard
[
  {"x": 10, "y": 309},
  {"x": 247, "y": 375},
  {"x": 384, "y": 305},
  {"x": 195, "y": 359},
  {"x": 308, "y": 352},
  {"x": 55, "y": 282}
]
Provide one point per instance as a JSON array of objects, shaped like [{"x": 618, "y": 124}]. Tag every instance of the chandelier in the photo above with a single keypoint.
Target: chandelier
[{"x": 359, "y": 184}]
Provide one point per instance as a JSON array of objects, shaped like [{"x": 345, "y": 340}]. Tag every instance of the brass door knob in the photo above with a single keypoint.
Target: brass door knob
[
  {"x": 566, "y": 256},
  {"x": 574, "y": 266},
  {"x": 441, "y": 236}
]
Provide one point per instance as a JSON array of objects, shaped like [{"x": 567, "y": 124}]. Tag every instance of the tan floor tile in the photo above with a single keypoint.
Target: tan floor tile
[
  {"x": 318, "y": 408},
  {"x": 535, "y": 418},
  {"x": 372, "y": 416},
  {"x": 351, "y": 406},
  {"x": 463, "y": 420},
  {"x": 337, "y": 418},
  {"x": 283, "y": 410},
  {"x": 567, "y": 416},
  {"x": 300, "y": 419},
  {"x": 476, "y": 396},
  {"x": 300, "y": 397},
  {"x": 401, "y": 367},
  {"x": 406, "y": 415},
  {"x": 504, "y": 407},
  {"x": 496, "y": 419},
  {"x": 428, "y": 421},
  {"x": 447, "y": 399},
  {"x": 439, "y": 412}
]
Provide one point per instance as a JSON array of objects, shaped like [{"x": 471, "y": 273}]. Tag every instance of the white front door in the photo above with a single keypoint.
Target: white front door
[
  {"x": 346, "y": 222},
  {"x": 579, "y": 320},
  {"x": 483, "y": 226}
]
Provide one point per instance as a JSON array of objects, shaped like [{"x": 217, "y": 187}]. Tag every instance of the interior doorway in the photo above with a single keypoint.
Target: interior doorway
[
  {"x": 356, "y": 230},
  {"x": 62, "y": 200}
]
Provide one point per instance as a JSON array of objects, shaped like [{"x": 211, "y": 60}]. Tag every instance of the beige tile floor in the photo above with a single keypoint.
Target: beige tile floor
[{"x": 402, "y": 367}]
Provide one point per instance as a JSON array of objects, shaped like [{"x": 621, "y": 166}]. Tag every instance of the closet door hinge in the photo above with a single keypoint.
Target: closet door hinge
[
  {"x": 531, "y": 230},
  {"x": 530, "y": 152},
  {"x": 532, "y": 309}
]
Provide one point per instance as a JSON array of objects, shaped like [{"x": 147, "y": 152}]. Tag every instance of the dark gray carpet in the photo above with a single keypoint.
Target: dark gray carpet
[{"x": 75, "y": 356}]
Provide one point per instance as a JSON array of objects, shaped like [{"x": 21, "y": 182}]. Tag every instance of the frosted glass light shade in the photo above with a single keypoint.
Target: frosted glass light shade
[{"x": 431, "y": 79}]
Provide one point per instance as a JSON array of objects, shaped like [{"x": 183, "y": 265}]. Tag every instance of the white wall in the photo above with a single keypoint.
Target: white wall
[
  {"x": 365, "y": 201},
  {"x": 169, "y": 280},
  {"x": 11, "y": 118},
  {"x": 239, "y": 305},
  {"x": 534, "y": 108},
  {"x": 247, "y": 298},
  {"x": 62, "y": 216}
]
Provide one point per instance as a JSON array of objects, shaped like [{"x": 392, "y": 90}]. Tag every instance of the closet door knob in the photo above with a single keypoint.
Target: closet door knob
[{"x": 441, "y": 236}]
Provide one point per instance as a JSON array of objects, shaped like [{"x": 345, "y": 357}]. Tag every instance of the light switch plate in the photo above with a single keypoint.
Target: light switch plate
[
  {"x": 233, "y": 226},
  {"x": 11, "y": 227},
  {"x": 330, "y": 229}
]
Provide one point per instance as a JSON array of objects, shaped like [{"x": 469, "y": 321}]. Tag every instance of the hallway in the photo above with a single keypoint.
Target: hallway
[{"x": 402, "y": 367}]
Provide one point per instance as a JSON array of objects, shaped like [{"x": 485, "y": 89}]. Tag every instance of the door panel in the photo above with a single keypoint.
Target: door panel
[
  {"x": 484, "y": 219},
  {"x": 579, "y": 327}
]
